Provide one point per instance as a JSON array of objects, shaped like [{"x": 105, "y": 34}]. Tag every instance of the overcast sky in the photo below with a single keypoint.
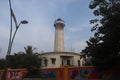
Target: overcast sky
[{"x": 39, "y": 32}]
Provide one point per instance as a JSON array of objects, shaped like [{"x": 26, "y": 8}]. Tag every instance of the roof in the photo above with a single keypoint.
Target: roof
[
  {"x": 60, "y": 53},
  {"x": 59, "y": 21}
]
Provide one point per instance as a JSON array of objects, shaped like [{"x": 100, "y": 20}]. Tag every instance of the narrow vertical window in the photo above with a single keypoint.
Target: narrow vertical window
[
  {"x": 68, "y": 62},
  {"x": 78, "y": 62},
  {"x": 53, "y": 60},
  {"x": 46, "y": 62},
  {"x": 62, "y": 62}
]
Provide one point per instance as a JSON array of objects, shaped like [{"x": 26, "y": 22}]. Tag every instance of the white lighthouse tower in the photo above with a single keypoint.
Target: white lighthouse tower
[
  {"x": 59, "y": 35},
  {"x": 59, "y": 58}
]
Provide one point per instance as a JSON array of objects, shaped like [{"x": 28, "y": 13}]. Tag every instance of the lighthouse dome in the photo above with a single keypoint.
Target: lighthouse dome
[{"x": 59, "y": 21}]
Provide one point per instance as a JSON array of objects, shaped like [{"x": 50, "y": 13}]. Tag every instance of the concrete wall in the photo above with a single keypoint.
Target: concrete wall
[
  {"x": 73, "y": 57},
  {"x": 68, "y": 73}
]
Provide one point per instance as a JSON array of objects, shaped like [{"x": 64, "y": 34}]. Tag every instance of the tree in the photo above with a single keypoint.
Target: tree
[
  {"x": 104, "y": 46},
  {"x": 29, "y": 50},
  {"x": 16, "y": 61},
  {"x": 2, "y": 63},
  {"x": 27, "y": 59},
  {"x": 32, "y": 62}
]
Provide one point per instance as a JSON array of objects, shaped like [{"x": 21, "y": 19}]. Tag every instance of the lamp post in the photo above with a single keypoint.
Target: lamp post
[{"x": 11, "y": 38}]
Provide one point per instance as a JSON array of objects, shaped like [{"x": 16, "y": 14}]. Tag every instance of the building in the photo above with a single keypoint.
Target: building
[{"x": 59, "y": 57}]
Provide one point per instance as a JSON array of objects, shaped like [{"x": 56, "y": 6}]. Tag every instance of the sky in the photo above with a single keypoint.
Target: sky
[{"x": 39, "y": 32}]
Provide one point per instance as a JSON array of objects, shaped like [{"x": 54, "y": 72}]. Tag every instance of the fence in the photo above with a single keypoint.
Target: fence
[{"x": 66, "y": 73}]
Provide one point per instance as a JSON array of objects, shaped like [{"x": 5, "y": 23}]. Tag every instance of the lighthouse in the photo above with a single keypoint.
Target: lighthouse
[
  {"x": 59, "y": 57},
  {"x": 59, "y": 35}
]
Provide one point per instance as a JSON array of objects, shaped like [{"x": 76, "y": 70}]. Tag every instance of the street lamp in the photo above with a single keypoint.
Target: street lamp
[
  {"x": 12, "y": 39},
  {"x": 24, "y": 22}
]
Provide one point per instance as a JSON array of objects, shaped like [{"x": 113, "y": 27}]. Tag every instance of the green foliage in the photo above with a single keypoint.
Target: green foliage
[
  {"x": 104, "y": 47},
  {"x": 2, "y": 63},
  {"x": 28, "y": 59}
]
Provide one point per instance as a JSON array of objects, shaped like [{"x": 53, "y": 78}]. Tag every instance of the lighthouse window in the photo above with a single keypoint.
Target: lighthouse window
[
  {"x": 78, "y": 62},
  {"x": 62, "y": 62},
  {"x": 53, "y": 60},
  {"x": 46, "y": 62},
  {"x": 68, "y": 62}
]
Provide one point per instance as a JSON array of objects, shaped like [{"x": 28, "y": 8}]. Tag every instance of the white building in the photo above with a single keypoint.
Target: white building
[{"x": 59, "y": 57}]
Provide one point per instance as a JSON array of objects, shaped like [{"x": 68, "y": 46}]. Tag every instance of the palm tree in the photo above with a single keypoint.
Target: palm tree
[
  {"x": 29, "y": 50},
  {"x": 32, "y": 61}
]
